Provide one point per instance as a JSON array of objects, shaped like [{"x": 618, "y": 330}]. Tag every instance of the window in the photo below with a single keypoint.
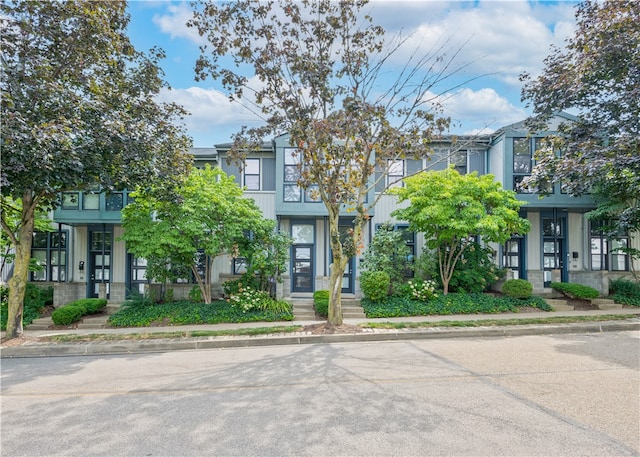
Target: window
[
  {"x": 395, "y": 173},
  {"x": 459, "y": 160},
  {"x": 252, "y": 174},
  {"x": 522, "y": 162},
  {"x": 114, "y": 201},
  {"x": 607, "y": 253},
  {"x": 70, "y": 200},
  {"x": 49, "y": 249},
  {"x": 292, "y": 192}
]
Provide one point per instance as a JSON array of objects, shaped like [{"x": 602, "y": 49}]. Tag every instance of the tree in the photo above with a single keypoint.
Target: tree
[
  {"x": 78, "y": 109},
  {"x": 207, "y": 217},
  {"x": 319, "y": 67},
  {"x": 453, "y": 209},
  {"x": 597, "y": 74}
]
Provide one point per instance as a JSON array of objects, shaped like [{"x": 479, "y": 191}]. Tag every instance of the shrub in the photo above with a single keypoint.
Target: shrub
[
  {"x": 474, "y": 272},
  {"x": 577, "y": 291},
  {"x": 388, "y": 252},
  {"x": 249, "y": 299},
  {"x": 235, "y": 286},
  {"x": 375, "y": 284},
  {"x": 35, "y": 300},
  {"x": 67, "y": 314},
  {"x": 74, "y": 310},
  {"x": 625, "y": 292},
  {"x": 422, "y": 290},
  {"x": 517, "y": 288},
  {"x": 321, "y": 302},
  {"x": 195, "y": 294}
]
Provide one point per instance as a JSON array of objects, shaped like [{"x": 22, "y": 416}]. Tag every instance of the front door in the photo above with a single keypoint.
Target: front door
[
  {"x": 99, "y": 262},
  {"x": 302, "y": 256},
  {"x": 302, "y": 275},
  {"x": 553, "y": 249}
]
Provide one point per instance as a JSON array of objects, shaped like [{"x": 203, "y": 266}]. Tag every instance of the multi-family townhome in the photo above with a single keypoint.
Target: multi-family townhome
[{"x": 83, "y": 256}]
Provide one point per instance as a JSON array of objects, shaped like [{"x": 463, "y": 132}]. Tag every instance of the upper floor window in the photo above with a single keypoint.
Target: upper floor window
[
  {"x": 252, "y": 174},
  {"x": 292, "y": 192},
  {"x": 523, "y": 161},
  {"x": 114, "y": 201},
  {"x": 608, "y": 253},
  {"x": 459, "y": 160},
  {"x": 49, "y": 249},
  {"x": 70, "y": 200},
  {"x": 395, "y": 173}
]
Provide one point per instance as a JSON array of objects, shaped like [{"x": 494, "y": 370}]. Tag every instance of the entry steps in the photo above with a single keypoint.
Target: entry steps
[{"x": 303, "y": 309}]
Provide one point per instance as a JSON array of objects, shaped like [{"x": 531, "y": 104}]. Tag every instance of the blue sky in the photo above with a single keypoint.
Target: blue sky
[{"x": 503, "y": 39}]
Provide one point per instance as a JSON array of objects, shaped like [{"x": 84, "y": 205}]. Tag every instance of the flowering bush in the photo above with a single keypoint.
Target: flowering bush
[
  {"x": 422, "y": 290},
  {"x": 249, "y": 299}
]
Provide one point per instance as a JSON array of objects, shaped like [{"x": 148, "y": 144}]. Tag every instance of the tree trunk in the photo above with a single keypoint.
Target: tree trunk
[
  {"x": 336, "y": 269},
  {"x": 18, "y": 282}
]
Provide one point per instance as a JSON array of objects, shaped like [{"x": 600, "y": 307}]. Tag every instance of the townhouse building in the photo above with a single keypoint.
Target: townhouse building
[{"x": 84, "y": 258}]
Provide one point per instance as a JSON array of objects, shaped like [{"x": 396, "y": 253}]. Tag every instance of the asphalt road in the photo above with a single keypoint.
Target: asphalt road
[{"x": 576, "y": 394}]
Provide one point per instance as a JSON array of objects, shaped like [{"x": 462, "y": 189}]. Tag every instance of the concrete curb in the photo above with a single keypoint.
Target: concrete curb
[{"x": 221, "y": 342}]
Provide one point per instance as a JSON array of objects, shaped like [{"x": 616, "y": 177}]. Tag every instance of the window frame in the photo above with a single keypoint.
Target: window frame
[
  {"x": 49, "y": 246},
  {"x": 245, "y": 175}
]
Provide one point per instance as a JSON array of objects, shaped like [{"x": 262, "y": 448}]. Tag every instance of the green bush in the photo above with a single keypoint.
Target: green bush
[
  {"x": 75, "y": 310},
  {"x": 321, "y": 302},
  {"x": 474, "y": 272},
  {"x": 68, "y": 314},
  {"x": 375, "y": 284},
  {"x": 35, "y": 300},
  {"x": 625, "y": 292},
  {"x": 234, "y": 286},
  {"x": 422, "y": 290},
  {"x": 517, "y": 288},
  {"x": 577, "y": 291}
]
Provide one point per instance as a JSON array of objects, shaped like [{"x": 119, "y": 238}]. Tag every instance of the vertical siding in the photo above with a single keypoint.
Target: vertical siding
[
  {"x": 575, "y": 241},
  {"x": 119, "y": 256},
  {"x": 269, "y": 174},
  {"x": 533, "y": 242},
  {"x": 231, "y": 169},
  {"x": 476, "y": 161},
  {"x": 266, "y": 201}
]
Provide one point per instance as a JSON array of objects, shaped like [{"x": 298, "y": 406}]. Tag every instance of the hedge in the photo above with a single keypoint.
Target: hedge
[
  {"x": 577, "y": 291},
  {"x": 75, "y": 310}
]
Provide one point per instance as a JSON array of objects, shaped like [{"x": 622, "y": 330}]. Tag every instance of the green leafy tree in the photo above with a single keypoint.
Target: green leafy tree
[
  {"x": 207, "y": 217},
  {"x": 387, "y": 252},
  {"x": 78, "y": 109},
  {"x": 318, "y": 67},
  {"x": 266, "y": 252},
  {"x": 453, "y": 209},
  {"x": 597, "y": 74}
]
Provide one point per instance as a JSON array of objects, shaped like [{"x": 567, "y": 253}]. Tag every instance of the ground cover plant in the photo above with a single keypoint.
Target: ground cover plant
[
  {"x": 452, "y": 303},
  {"x": 625, "y": 292},
  {"x": 143, "y": 313}
]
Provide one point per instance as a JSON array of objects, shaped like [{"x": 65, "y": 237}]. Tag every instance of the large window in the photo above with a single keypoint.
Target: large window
[
  {"x": 395, "y": 173},
  {"x": 292, "y": 192},
  {"x": 607, "y": 252},
  {"x": 252, "y": 174},
  {"x": 522, "y": 162},
  {"x": 49, "y": 249}
]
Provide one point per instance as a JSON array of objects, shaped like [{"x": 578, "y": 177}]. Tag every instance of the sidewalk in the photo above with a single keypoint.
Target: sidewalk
[{"x": 32, "y": 347}]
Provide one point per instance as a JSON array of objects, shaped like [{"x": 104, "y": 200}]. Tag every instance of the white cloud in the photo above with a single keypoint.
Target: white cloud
[
  {"x": 499, "y": 38},
  {"x": 482, "y": 110},
  {"x": 212, "y": 113},
  {"x": 174, "y": 22}
]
